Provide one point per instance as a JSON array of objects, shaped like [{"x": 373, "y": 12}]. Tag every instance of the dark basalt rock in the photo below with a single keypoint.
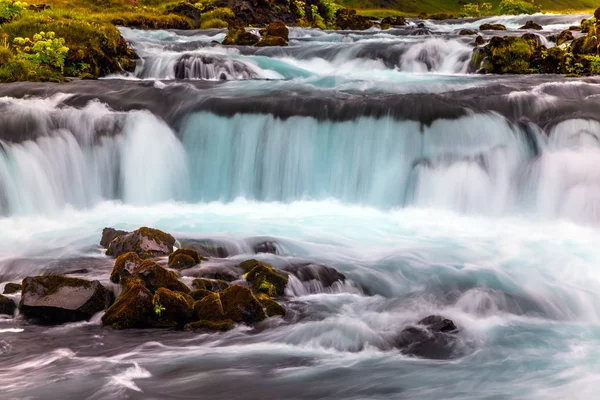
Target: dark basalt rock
[
  {"x": 466, "y": 32},
  {"x": 56, "y": 299},
  {"x": 186, "y": 10},
  {"x": 133, "y": 309},
  {"x": 349, "y": 20},
  {"x": 108, "y": 234},
  {"x": 11, "y": 288},
  {"x": 267, "y": 246},
  {"x": 124, "y": 266},
  {"x": 532, "y": 25},
  {"x": 433, "y": 337},
  {"x": 154, "y": 277},
  {"x": 263, "y": 279},
  {"x": 322, "y": 273},
  {"x": 7, "y": 306},
  {"x": 211, "y": 285},
  {"x": 184, "y": 258},
  {"x": 239, "y": 305},
  {"x": 206, "y": 248},
  {"x": 146, "y": 242},
  {"x": 172, "y": 309},
  {"x": 492, "y": 27}
]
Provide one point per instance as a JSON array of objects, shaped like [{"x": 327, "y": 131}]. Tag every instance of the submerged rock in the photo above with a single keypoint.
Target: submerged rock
[
  {"x": 133, "y": 309},
  {"x": 479, "y": 41},
  {"x": 146, "y": 242},
  {"x": 154, "y": 277},
  {"x": 7, "y": 306},
  {"x": 433, "y": 337},
  {"x": 56, "y": 299},
  {"x": 467, "y": 32},
  {"x": 172, "y": 308},
  {"x": 108, "y": 234},
  {"x": 124, "y": 266},
  {"x": 184, "y": 258},
  {"x": 306, "y": 272},
  {"x": 532, "y": 25},
  {"x": 206, "y": 248},
  {"x": 268, "y": 246},
  {"x": 12, "y": 288},
  {"x": 212, "y": 285},
  {"x": 492, "y": 27},
  {"x": 204, "y": 325}
]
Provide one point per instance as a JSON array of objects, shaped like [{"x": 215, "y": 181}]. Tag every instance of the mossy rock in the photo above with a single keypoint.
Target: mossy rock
[
  {"x": 108, "y": 234},
  {"x": 7, "y": 306},
  {"x": 532, "y": 25},
  {"x": 155, "y": 277},
  {"x": 561, "y": 38},
  {"x": 172, "y": 308},
  {"x": 263, "y": 279},
  {"x": 240, "y": 305},
  {"x": 184, "y": 258},
  {"x": 398, "y": 21},
  {"x": 274, "y": 30},
  {"x": 124, "y": 266},
  {"x": 272, "y": 308},
  {"x": 146, "y": 242},
  {"x": 213, "y": 285},
  {"x": 237, "y": 35},
  {"x": 492, "y": 27},
  {"x": 199, "y": 294},
  {"x": 512, "y": 55},
  {"x": 209, "y": 308},
  {"x": 272, "y": 41},
  {"x": 12, "y": 288},
  {"x": 56, "y": 299},
  {"x": 350, "y": 20},
  {"x": 210, "y": 326},
  {"x": 186, "y": 10},
  {"x": 249, "y": 265},
  {"x": 479, "y": 41},
  {"x": 133, "y": 309}
]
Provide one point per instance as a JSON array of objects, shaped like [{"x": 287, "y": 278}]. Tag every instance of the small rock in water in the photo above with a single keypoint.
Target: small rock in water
[
  {"x": 184, "y": 258},
  {"x": 433, "y": 337},
  {"x": 133, "y": 309},
  {"x": 267, "y": 246},
  {"x": 532, "y": 25},
  {"x": 146, "y": 242},
  {"x": 56, "y": 299},
  {"x": 12, "y": 288},
  {"x": 212, "y": 285},
  {"x": 466, "y": 32},
  {"x": 322, "y": 273},
  {"x": 492, "y": 27},
  {"x": 7, "y": 306}
]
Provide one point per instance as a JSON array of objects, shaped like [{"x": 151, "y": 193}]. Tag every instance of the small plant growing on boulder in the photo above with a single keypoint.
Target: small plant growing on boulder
[{"x": 158, "y": 308}]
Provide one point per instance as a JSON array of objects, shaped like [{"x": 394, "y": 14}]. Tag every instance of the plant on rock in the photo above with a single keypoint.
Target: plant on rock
[
  {"x": 44, "y": 48},
  {"x": 158, "y": 308}
]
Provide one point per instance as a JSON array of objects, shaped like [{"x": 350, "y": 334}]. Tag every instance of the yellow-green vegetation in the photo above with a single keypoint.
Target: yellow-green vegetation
[
  {"x": 263, "y": 279},
  {"x": 10, "y": 9},
  {"x": 476, "y": 9},
  {"x": 216, "y": 18}
]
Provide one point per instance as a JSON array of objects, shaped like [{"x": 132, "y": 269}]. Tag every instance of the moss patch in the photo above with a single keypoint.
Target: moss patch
[
  {"x": 133, "y": 309},
  {"x": 155, "y": 277},
  {"x": 213, "y": 285},
  {"x": 204, "y": 325}
]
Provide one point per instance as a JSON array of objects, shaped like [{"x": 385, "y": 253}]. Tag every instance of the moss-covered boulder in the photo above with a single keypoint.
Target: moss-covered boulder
[
  {"x": 184, "y": 258},
  {"x": 210, "y": 326},
  {"x": 240, "y": 305},
  {"x": 398, "y": 21},
  {"x": 275, "y": 34},
  {"x": 263, "y": 279},
  {"x": 561, "y": 38},
  {"x": 272, "y": 41},
  {"x": 213, "y": 285},
  {"x": 146, "y": 242},
  {"x": 187, "y": 10},
  {"x": 349, "y": 20},
  {"x": 479, "y": 41},
  {"x": 7, "y": 306},
  {"x": 56, "y": 299},
  {"x": 172, "y": 308},
  {"x": 209, "y": 308},
  {"x": 12, "y": 288},
  {"x": 467, "y": 32},
  {"x": 124, "y": 266},
  {"x": 199, "y": 294},
  {"x": 154, "y": 277},
  {"x": 237, "y": 34},
  {"x": 133, "y": 309},
  {"x": 512, "y": 55},
  {"x": 532, "y": 26},
  {"x": 492, "y": 27},
  {"x": 108, "y": 234},
  {"x": 272, "y": 308}
]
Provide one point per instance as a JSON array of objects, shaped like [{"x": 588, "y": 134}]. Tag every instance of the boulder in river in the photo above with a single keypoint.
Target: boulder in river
[
  {"x": 213, "y": 285},
  {"x": 56, "y": 299},
  {"x": 108, "y": 234},
  {"x": 275, "y": 29},
  {"x": 532, "y": 25},
  {"x": 12, "y": 288},
  {"x": 398, "y": 21},
  {"x": 172, "y": 308},
  {"x": 349, "y": 20},
  {"x": 206, "y": 247},
  {"x": 154, "y": 277},
  {"x": 272, "y": 308},
  {"x": 7, "y": 306},
  {"x": 124, "y": 266},
  {"x": 146, "y": 242},
  {"x": 263, "y": 279},
  {"x": 209, "y": 308},
  {"x": 492, "y": 27},
  {"x": 306, "y": 272},
  {"x": 133, "y": 309},
  {"x": 237, "y": 34},
  {"x": 184, "y": 258},
  {"x": 199, "y": 294},
  {"x": 240, "y": 305},
  {"x": 467, "y": 32},
  {"x": 562, "y": 37},
  {"x": 433, "y": 337},
  {"x": 267, "y": 246}
]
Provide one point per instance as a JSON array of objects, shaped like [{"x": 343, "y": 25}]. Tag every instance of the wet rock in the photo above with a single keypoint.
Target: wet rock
[
  {"x": 108, "y": 234},
  {"x": 186, "y": 10},
  {"x": 433, "y": 337},
  {"x": 209, "y": 308},
  {"x": 492, "y": 27},
  {"x": 307, "y": 272},
  {"x": 199, "y": 294},
  {"x": 211, "y": 285},
  {"x": 219, "y": 273},
  {"x": 263, "y": 279},
  {"x": 268, "y": 246},
  {"x": 56, "y": 299},
  {"x": 512, "y": 55},
  {"x": 276, "y": 29},
  {"x": 398, "y": 21},
  {"x": 133, "y": 309},
  {"x": 532, "y": 25},
  {"x": 272, "y": 41},
  {"x": 7, "y": 306},
  {"x": 12, "y": 288},
  {"x": 208, "y": 326},
  {"x": 154, "y": 277},
  {"x": 172, "y": 309},
  {"x": 239, "y": 304},
  {"x": 184, "y": 258},
  {"x": 466, "y": 32},
  {"x": 597, "y": 14},
  {"x": 350, "y": 20},
  {"x": 272, "y": 308},
  {"x": 237, "y": 35},
  {"x": 146, "y": 242},
  {"x": 124, "y": 266},
  {"x": 479, "y": 41},
  {"x": 562, "y": 37}
]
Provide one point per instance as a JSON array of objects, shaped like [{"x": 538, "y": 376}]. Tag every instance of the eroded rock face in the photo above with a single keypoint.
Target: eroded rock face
[
  {"x": 146, "y": 242},
  {"x": 108, "y": 234},
  {"x": 56, "y": 299},
  {"x": 7, "y": 306},
  {"x": 321, "y": 273},
  {"x": 433, "y": 337}
]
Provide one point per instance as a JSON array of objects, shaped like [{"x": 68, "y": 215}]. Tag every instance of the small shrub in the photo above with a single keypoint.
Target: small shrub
[
  {"x": 10, "y": 9},
  {"x": 475, "y": 10},
  {"x": 594, "y": 64},
  {"x": 518, "y": 7},
  {"x": 44, "y": 48}
]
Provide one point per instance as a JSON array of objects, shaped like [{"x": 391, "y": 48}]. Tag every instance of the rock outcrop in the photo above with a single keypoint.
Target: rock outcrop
[
  {"x": 432, "y": 337},
  {"x": 146, "y": 242}
]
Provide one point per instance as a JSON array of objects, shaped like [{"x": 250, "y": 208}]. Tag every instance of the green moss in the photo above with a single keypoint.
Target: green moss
[
  {"x": 155, "y": 277},
  {"x": 209, "y": 308},
  {"x": 263, "y": 279},
  {"x": 133, "y": 309},
  {"x": 124, "y": 266},
  {"x": 199, "y": 294},
  {"x": 204, "y": 325},
  {"x": 216, "y": 18},
  {"x": 11, "y": 288},
  {"x": 174, "y": 308},
  {"x": 239, "y": 305},
  {"x": 213, "y": 285},
  {"x": 511, "y": 55},
  {"x": 272, "y": 308}
]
